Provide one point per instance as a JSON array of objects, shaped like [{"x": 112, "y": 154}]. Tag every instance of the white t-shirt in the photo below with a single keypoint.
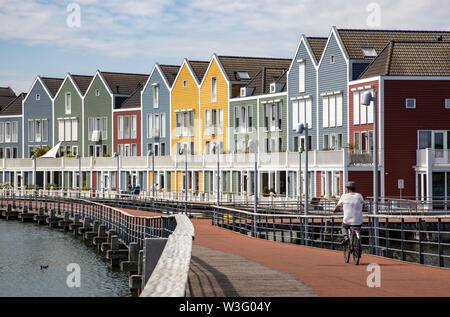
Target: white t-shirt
[{"x": 352, "y": 204}]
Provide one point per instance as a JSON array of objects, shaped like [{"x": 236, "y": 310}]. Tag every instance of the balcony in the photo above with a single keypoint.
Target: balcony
[
  {"x": 358, "y": 158},
  {"x": 279, "y": 160},
  {"x": 433, "y": 157}
]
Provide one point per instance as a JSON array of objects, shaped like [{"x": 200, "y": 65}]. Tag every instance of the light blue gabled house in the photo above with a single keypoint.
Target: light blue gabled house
[
  {"x": 156, "y": 119},
  {"x": 302, "y": 91},
  {"x": 333, "y": 77},
  {"x": 38, "y": 114}
]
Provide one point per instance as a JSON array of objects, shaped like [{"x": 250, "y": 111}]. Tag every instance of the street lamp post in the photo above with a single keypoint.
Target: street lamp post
[
  {"x": 367, "y": 99},
  {"x": 152, "y": 153},
  {"x": 118, "y": 173},
  {"x": 300, "y": 151},
  {"x": 183, "y": 150},
  {"x": 80, "y": 179},
  {"x": 303, "y": 128},
  {"x": 253, "y": 144},
  {"x": 216, "y": 149}
]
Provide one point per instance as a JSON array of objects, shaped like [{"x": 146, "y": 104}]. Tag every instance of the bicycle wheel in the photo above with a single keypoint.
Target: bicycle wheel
[
  {"x": 356, "y": 249},
  {"x": 347, "y": 252}
]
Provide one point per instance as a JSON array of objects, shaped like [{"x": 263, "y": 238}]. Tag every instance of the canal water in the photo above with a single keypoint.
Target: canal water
[{"x": 25, "y": 247}]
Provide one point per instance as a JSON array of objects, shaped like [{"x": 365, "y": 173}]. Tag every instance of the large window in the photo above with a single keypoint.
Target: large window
[
  {"x": 156, "y": 125},
  {"x": 68, "y": 129},
  {"x": 332, "y": 112},
  {"x": 272, "y": 116},
  {"x": 362, "y": 114},
  {"x": 243, "y": 119},
  {"x": 9, "y": 132},
  {"x": 97, "y": 129},
  {"x": 302, "y": 113}
]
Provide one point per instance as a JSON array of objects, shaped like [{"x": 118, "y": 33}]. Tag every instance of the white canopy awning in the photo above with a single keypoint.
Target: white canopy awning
[{"x": 53, "y": 151}]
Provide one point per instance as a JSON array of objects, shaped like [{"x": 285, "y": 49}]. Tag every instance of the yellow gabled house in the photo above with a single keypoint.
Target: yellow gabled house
[{"x": 185, "y": 118}]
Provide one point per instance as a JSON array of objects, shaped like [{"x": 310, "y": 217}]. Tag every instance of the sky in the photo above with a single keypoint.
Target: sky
[{"x": 54, "y": 37}]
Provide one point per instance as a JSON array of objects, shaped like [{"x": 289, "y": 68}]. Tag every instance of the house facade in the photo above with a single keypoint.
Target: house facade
[
  {"x": 156, "y": 115},
  {"x": 68, "y": 114},
  {"x": 38, "y": 114},
  {"x": 11, "y": 120},
  {"x": 302, "y": 92},
  {"x": 185, "y": 119},
  {"x": 413, "y": 97}
]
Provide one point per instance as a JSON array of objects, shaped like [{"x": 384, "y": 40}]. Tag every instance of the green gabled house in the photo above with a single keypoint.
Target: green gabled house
[
  {"x": 260, "y": 113},
  {"x": 68, "y": 114},
  {"x": 106, "y": 92}
]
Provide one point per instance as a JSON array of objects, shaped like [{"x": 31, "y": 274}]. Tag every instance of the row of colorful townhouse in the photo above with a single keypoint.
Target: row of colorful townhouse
[{"x": 229, "y": 100}]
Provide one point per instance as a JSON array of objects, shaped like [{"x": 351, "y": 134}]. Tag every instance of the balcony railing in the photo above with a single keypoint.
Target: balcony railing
[
  {"x": 360, "y": 158},
  {"x": 432, "y": 157}
]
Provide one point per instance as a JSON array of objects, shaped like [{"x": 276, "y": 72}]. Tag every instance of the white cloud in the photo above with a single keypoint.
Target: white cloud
[{"x": 162, "y": 28}]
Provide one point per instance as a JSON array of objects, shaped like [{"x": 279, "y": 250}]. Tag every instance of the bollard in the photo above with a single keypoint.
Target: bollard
[
  {"x": 115, "y": 243},
  {"x": 101, "y": 230},
  {"x": 86, "y": 222},
  {"x": 133, "y": 255},
  {"x": 140, "y": 262},
  {"x": 96, "y": 224}
]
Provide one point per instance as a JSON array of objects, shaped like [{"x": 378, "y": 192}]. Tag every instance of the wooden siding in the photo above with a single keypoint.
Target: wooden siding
[
  {"x": 184, "y": 98},
  {"x": 401, "y": 126},
  {"x": 222, "y": 102}
]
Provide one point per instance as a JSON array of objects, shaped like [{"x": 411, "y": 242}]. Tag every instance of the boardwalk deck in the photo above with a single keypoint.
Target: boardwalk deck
[{"x": 324, "y": 270}]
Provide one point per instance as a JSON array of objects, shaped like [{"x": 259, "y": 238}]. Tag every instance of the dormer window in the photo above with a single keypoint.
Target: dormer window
[
  {"x": 243, "y": 75},
  {"x": 369, "y": 52},
  {"x": 38, "y": 97},
  {"x": 273, "y": 88},
  {"x": 243, "y": 92}
]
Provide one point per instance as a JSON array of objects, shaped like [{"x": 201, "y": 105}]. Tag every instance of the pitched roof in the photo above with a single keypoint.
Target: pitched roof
[
  {"x": 199, "y": 68},
  {"x": 124, "y": 83},
  {"x": 411, "y": 59},
  {"x": 252, "y": 65},
  {"x": 82, "y": 82},
  {"x": 354, "y": 40},
  {"x": 52, "y": 84},
  {"x": 266, "y": 76},
  {"x": 317, "y": 45},
  {"x": 133, "y": 101},
  {"x": 14, "y": 107},
  {"x": 6, "y": 96},
  {"x": 171, "y": 72},
  {"x": 7, "y": 91}
]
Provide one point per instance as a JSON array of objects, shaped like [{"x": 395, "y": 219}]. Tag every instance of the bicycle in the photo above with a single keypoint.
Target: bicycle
[{"x": 353, "y": 245}]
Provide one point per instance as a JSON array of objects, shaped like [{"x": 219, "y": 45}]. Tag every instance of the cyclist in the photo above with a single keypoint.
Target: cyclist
[{"x": 352, "y": 204}]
